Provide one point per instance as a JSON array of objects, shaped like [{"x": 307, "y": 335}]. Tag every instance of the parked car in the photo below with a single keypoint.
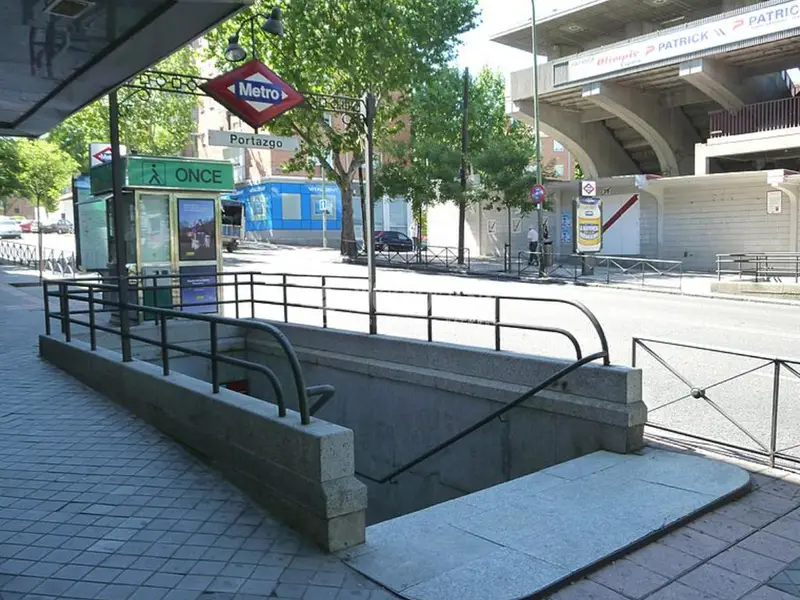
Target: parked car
[
  {"x": 9, "y": 228},
  {"x": 393, "y": 241},
  {"x": 64, "y": 226},
  {"x": 28, "y": 226}
]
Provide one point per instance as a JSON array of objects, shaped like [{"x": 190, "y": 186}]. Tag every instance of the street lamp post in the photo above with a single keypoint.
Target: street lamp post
[
  {"x": 365, "y": 108},
  {"x": 540, "y": 226}
]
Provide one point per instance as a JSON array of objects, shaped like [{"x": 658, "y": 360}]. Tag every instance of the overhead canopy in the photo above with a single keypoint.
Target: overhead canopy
[{"x": 57, "y": 56}]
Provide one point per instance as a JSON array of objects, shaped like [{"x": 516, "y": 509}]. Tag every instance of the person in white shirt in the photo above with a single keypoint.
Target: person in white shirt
[{"x": 533, "y": 245}]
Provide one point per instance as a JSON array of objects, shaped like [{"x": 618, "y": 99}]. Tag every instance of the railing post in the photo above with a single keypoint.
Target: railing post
[
  {"x": 214, "y": 363},
  {"x": 252, "y": 297},
  {"x": 497, "y": 323},
  {"x": 285, "y": 301},
  {"x": 92, "y": 331},
  {"x": 642, "y": 273},
  {"x": 236, "y": 292},
  {"x": 430, "y": 317},
  {"x": 633, "y": 353},
  {"x": 67, "y": 324},
  {"x": 46, "y": 308},
  {"x": 776, "y": 389},
  {"x": 324, "y": 304},
  {"x": 164, "y": 347}
]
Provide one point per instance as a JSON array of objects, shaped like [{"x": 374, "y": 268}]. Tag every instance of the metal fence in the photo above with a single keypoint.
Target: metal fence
[
  {"x": 767, "y": 266},
  {"x": 703, "y": 411},
  {"x": 27, "y": 255},
  {"x": 246, "y": 292},
  {"x": 435, "y": 257},
  {"x": 643, "y": 271},
  {"x": 753, "y": 118}
]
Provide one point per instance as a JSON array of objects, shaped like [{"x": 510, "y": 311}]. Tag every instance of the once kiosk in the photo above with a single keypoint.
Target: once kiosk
[{"x": 173, "y": 233}]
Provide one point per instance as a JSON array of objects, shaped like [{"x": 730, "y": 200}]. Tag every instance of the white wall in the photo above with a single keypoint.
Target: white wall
[{"x": 703, "y": 221}]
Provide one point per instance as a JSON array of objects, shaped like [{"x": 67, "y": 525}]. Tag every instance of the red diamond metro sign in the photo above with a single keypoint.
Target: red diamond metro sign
[{"x": 253, "y": 93}]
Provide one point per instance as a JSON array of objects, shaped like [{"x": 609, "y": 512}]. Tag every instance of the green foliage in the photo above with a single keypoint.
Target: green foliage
[
  {"x": 426, "y": 168},
  {"x": 578, "y": 172},
  {"x": 45, "y": 171},
  {"x": 156, "y": 123},
  {"x": 350, "y": 48},
  {"x": 9, "y": 167}
]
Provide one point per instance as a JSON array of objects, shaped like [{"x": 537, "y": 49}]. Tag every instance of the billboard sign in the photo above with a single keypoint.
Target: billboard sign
[
  {"x": 589, "y": 225},
  {"x": 253, "y": 93},
  {"x": 680, "y": 41}
]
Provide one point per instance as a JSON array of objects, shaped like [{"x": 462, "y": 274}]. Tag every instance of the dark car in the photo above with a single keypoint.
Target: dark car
[
  {"x": 393, "y": 241},
  {"x": 64, "y": 226}
]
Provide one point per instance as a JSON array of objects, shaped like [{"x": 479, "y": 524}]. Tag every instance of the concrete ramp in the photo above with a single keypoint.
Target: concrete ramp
[{"x": 524, "y": 536}]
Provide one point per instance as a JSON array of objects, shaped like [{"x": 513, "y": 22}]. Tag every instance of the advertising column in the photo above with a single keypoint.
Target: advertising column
[{"x": 197, "y": 223}]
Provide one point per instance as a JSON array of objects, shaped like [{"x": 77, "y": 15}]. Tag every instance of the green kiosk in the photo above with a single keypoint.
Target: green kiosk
[{"x": 173, "y": 233}]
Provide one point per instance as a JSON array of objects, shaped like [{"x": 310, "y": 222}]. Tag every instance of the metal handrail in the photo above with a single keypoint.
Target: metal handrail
[
  {"x": 250, "y": 280},
  {"x": 486, "y": 420},
  {"x": 430, "y": 318},
  {"x": 752, "y": 118},
  {"x": 446, "y": 256},
  {"x": 214, "y": 321}
]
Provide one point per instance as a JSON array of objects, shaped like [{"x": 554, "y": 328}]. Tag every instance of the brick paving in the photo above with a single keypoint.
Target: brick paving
[
  {"x": 94, "y": 503},
  {"x": 748, "y": 550}
]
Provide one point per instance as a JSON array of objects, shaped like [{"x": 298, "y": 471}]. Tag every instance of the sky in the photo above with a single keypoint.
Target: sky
[{"x": 498, "y": 16}]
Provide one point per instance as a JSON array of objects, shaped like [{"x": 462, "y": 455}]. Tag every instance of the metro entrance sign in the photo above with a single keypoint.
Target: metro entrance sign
[{"x": 253, "y": 93}]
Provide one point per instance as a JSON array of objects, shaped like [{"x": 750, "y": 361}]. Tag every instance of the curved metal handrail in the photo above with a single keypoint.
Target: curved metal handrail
[{"x": 277, "y": 334}]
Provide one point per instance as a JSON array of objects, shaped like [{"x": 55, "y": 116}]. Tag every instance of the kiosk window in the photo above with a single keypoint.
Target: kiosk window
[{"x": 154, "y": 229}]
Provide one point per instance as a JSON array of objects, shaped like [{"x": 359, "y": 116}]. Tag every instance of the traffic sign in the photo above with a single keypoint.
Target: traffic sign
[
  {"x": 588, "y": 188},
  {"x": 253, "y": 93},
  {"x": 239, "y": 139},
  {"x": 538, "y": 193}
]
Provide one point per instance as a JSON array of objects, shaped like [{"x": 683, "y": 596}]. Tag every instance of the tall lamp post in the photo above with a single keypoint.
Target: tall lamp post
[
  {"x": 365, "y": 108},
  {"x": 538, "y": 135}
]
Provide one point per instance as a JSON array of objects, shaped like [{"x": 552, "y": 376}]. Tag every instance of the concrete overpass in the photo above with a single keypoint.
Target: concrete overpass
[{"x": 625, "y": 103}]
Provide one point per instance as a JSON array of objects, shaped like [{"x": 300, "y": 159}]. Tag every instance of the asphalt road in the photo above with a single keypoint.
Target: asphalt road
[{"x": 756, "y": 328}]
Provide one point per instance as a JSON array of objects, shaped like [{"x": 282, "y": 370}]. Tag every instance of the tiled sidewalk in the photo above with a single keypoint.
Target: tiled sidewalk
[
  {"x": 743, "y": 550},
  {"x": 94, "y": 503}
]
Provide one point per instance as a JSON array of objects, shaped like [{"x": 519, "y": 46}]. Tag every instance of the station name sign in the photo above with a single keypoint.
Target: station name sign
[
  {"x": 238, "y": 139},
  {"x": 680, "y": 41}
]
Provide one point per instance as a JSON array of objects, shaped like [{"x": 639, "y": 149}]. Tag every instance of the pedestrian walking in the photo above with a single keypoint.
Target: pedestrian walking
[{"x": 533, "y": 245}]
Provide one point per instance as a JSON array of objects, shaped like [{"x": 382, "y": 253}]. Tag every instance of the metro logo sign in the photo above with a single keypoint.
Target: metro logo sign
[{"x": 253, "y": 93}]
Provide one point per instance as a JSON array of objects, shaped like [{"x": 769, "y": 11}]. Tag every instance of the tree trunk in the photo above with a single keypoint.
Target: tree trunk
[{"x": 348, "y": 245}]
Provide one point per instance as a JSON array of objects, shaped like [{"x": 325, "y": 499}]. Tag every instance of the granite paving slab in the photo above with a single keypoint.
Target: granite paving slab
[{"x": 527, "y": 535}]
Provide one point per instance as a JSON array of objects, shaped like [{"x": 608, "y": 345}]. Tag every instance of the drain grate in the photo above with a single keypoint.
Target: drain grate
[{"x": 788, "y": 580}]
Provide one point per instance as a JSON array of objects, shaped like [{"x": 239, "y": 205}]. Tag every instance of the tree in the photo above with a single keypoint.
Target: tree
[
  {"x": 350, "y": 48},
  {"x": 44, "y": 172},
  {"x": 150, "y": 122},
  {"x": 9, "y": 167},
  {"x": 425, "y": 168}
]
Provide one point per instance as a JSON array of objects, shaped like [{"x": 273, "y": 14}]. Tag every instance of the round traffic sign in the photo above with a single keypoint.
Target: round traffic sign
[{"x": 538, "y": 193}]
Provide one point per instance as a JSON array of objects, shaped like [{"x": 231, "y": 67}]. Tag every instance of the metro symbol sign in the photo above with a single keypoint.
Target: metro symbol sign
[{"x": 253, "y": 93}]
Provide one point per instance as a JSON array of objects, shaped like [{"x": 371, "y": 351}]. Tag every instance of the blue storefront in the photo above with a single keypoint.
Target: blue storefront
[{"x": 289, "y": 210}]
